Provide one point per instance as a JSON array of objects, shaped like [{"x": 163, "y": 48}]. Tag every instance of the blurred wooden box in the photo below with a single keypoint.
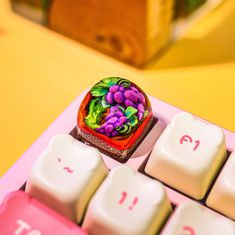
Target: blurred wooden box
[{"x": 130, "y": 30}]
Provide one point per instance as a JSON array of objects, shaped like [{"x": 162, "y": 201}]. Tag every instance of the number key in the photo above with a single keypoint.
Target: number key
[
  {"x": 127, "y": 203},
  {"x": 193, "y": 219}
]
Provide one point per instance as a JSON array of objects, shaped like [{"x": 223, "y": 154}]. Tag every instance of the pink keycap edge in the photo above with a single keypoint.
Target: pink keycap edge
[
  {"x": 18, "y": 173},
  {"x": 17, "y": 195}
]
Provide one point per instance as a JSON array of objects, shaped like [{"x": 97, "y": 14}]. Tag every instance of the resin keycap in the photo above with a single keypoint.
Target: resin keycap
[
  {"x": 127, "y": 203},
  {"x": 66, "y": 175},
  {"x": 188, "y": 155},
  {"x": 193, "y": 219},
  {"x": 23, "y": 215},
  {"x": 115, "y": 116},
  {"x": 222, "y": 195}
]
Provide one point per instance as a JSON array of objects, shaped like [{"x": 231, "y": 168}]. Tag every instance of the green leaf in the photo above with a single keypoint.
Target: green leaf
[
  {"x": 104, "y": 103},
  {"x": 124, "y": 82},
  {"x": 121, "y": 108},
  {"x": 101, "y": 88},
  {"x": 133, "y": 121},
  {"x": 130, "y": 111},
  {"x": 110, "y": 81},
  {"x": 146, "y": 113},
  {"x": 125, "y": 129},
  {"x": 98, "y": 91},
  {"x": 95, "y": 113},
  {"x": 129, "y": 128}
]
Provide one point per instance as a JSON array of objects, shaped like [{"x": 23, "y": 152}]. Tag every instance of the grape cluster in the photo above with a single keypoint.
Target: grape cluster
[
  {"x": 121, "y": 98},
  {"x": 127, "y": 97},
  {"x": 114, "y": 121}
]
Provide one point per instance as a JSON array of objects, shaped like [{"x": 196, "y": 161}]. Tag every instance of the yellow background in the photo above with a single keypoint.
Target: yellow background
[{"x": 42, "y": 72}]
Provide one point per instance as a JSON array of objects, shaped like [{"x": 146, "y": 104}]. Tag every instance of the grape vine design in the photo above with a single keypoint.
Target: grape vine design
[{"x": 116, "y": 107}]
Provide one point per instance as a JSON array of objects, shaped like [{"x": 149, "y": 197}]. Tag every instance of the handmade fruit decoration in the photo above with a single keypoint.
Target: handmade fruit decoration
[{"x": 115, "y": 116}]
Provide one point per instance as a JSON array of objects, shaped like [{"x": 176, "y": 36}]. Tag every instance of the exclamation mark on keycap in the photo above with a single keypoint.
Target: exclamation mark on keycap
[
  {"x": 124, "y": 194},
  {"x": 133, "y": 203}
]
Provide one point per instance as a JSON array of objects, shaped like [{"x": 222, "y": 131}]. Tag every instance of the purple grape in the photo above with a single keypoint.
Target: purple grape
[
  {"x": 129, "y": 103},
  {"x": 134, "y": 89},
  {"x": 114, "y": 88},
  {"x": 131, "y": 95},
  {"x": 140, "y": 108},
  {"x": 100, "y": 130},
  {"x": 119, "y": 113},
  {"x": 140, "y": 116},
  {"x": 109, "y": 128},
  {"x": 117, "y": 124},
  {"x": 122, "y": 119},
  {"x": 104, "y": 125},
  {"x": 141, "y": 98},
  {"x": 115, "y": 133},
  {"x": 121, "y": 88},
  {"x": 119, "y": 97},
  {"x": 109, "y": 98},
  {"x": 113, "y": 120},
  {"x": 109, "y": 116},
  {"x": 114, "y": 109}
]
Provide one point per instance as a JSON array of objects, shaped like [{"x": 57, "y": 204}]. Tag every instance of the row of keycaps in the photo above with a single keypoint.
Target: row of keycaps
[
  {"x": 126, "y": 203},
  {"x": 187, "y": 156}
]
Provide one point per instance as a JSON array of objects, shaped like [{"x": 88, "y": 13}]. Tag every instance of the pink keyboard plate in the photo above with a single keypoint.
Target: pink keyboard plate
[{"x": 18, "y": 173}]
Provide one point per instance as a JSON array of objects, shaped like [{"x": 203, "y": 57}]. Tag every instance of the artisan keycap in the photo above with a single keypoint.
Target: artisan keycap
[
  {"x": 115, "y": 117},
  {"x": 187, "y": 155},
  {"x": 23, "y": 215},
  {"x": 193, "y": 219},
  {"x": 127, "y": 203},
  {"x": 66, "y": 175},
  {"x": 222, "y": 195}
]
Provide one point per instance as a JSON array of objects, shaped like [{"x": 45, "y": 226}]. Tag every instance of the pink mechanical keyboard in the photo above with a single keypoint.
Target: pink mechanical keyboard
[{"x": 179, "y": 181}]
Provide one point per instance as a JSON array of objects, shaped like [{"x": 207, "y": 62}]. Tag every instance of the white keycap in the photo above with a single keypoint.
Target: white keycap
[
  {"x": 188, "y": 155},
  {"x": 222, "y": 195},
  {"x": 193, "y": 219},
  {"x": 127, "y": 203},
  {"x": 66, "y": 175}
]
